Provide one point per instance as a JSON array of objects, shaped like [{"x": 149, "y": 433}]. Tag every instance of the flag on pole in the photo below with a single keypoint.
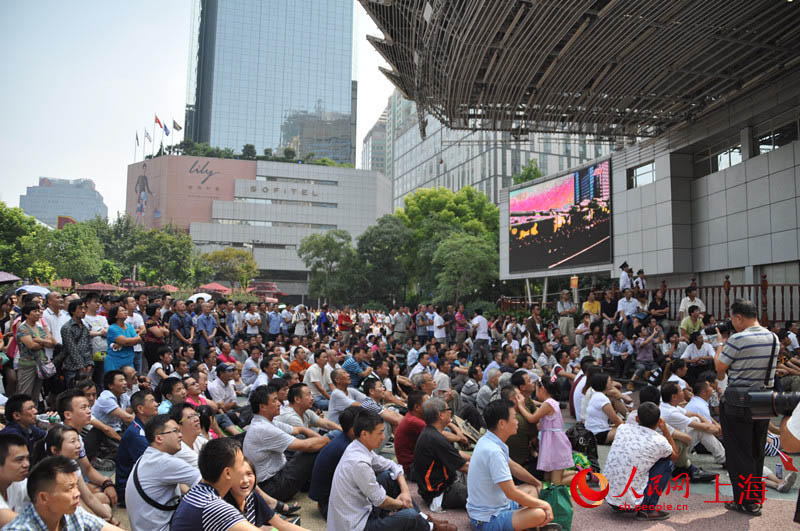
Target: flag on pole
[
  {"x": 146, "y": 135},
  {"x": 137, "y": 138},
  {"x": 175, "y": 125},
  {"x": 166, "y": 130},
  {"x": 158, "y": 121}
]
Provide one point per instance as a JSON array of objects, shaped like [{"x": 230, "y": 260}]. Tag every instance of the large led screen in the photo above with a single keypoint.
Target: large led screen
[{"x": 563, "y": 222}]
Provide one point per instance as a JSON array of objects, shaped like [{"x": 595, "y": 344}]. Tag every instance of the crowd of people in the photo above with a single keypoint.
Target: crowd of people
[{"x": 214, "y": 414}]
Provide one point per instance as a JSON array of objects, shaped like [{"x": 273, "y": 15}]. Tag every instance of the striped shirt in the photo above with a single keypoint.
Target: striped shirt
[
  {"x": 203, "y": 509},
  {"x": 747, "y": 356}
]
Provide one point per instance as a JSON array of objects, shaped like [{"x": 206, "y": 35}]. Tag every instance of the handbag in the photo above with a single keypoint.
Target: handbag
[
  {"x": 558, "y": 496},
  {"x": 45, "y": 368}
]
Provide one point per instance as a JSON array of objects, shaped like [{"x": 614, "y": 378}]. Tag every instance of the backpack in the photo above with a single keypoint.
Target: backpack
[{"x": 583, "y": 441}]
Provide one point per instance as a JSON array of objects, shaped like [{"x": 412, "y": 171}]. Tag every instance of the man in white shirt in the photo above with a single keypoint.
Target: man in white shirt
[
  {"x": 135, "y": 320},
  {"x": 648, "y": 449},
  {"x": 439, "y": 326},
  {"x": 318, "y": 379},
  {"x": 792, "y": 331},
  {"x": 690, "y": 300},
  {"x": 268, "y": 438},
  {"x": 55, "y": 317},
  {"x": 13, "y": 474},
  {"x": 700, "y": 429},
  {"x": 299, "y": 412},
  {"x": 576, "y": 395},
  {"x": 221, "y": 390},
  {"x": 698, "y": 404},
  {"x": 699, "y": 356},
  {"x": 480, "y": 347},
  {"x": 625, "y": 277},
  {"x": 251, "y": 320},
  {"x": 160, "y": 476}
]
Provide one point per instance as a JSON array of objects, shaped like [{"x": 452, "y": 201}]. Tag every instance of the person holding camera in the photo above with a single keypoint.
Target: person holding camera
[{"x": 748, "y": 358}]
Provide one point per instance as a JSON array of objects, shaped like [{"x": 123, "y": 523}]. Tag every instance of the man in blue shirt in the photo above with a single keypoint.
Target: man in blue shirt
[
  {"x": 621, "y": 354},
  {"x": 134, "y": 442},
  {"x": 275, "y": 321},
  {"x": 181, "y": 327},
  {"x": 494, "y": 503},
  {"x": 357, "y": 366},
  {"x": 328, "y": 458},
  {"x": 206, "y": 328},
  {"x": 21, "y": 415}
]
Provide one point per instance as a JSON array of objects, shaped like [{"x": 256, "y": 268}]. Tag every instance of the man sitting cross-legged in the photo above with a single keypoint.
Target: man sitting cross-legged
[
  {"x": 369, "y": 492},
  {"x": 493, "y": 501},
  {"x": 437, "y": 463},
  {"x": 268, "y": 438}
]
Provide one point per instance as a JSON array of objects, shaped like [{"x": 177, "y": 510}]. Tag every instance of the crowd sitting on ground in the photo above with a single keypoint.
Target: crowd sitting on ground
[{"x": 215, "y": 414}]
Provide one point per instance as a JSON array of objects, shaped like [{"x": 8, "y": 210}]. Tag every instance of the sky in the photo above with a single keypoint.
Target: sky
[{"x": 81, "y": 78}]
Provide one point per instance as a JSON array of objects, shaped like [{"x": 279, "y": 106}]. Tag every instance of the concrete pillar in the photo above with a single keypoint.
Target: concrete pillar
[{"x": 746, "y": 139}]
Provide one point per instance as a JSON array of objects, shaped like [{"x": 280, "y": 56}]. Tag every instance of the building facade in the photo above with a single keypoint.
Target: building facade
[
  {"x": 373, "y": 154},
  {"x": 54, "y": 198},
  {"x": 716, "y": 197},
  {"x": 264, "y": 207},
  {"x": 485, "y": 160},
  {"x": 274, "y": 74}
]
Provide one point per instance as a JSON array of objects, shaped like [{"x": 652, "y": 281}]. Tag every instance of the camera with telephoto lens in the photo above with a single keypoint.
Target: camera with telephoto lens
[
  {"x": 724, "y": 326},
  {"x": 763, "y": 403}
]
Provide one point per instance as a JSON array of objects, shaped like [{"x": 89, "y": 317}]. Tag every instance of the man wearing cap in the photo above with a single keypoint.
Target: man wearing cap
[
  {"x": 221, "y": 389},
  {"x": 625, "y": 277}
]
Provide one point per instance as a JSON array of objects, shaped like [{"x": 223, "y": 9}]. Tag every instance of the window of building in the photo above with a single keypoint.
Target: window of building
[
  {"x": 641, "y": 175},
  {"x": 263, "y": 223},
  {"x": 718, "y": 157},
  {"x": 772, "y": 139},
  {"x": 292, "y": 202},
  {"x": 296, "y": 181}
]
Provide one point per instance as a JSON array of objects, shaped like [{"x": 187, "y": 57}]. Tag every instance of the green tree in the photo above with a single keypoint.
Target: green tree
[
  {"x": 289, "y": 153},
  {"x": 164, "y": 255},
  {"x": 530, "y": 172},
  {"x": 466, "y": 265},
  {"x": 41, "y": 271},
  {"x": 432, "y": 214},
  {"x": 109, "y": 272},
  {"x": 233, "y": 265},
  {"x": 381, "y": 252},
  {"x": 119, "y": 240},
  {"x": 75, "y": 252},
  {"x": 331, "y": 260},
  {"x": 268, "y": 152},
  {"x": 201, "y": 271},
  {"x": 249, "y": 152},
  {"x": 15, "y": 226}
]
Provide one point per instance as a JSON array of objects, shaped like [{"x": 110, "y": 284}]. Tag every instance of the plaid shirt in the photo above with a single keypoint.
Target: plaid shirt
[
  {"x": 30, "y": 520},
  {"x": 77, "y": 344}
]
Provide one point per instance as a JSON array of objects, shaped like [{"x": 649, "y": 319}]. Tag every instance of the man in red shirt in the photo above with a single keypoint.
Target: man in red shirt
[
  {"x": 345, "y": 324},
  {"x": 407, "y": 432}
]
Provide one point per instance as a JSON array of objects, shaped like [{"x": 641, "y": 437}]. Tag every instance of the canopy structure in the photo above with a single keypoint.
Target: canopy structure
[
  {"x": 603, "y": 67},
  {"x": 100, "y": 286},
  {"x": 215, "y": 286}
]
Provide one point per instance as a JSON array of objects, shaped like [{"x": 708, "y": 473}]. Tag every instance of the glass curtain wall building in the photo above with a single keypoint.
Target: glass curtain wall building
[
  {"x": 273, "y": 73},
  {"x": 485, "y": 160}
]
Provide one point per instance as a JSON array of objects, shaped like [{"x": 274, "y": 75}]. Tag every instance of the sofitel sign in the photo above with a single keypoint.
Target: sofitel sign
[{"x": 285, "y": 191}]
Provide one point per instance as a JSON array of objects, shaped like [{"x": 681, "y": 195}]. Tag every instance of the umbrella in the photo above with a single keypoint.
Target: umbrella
[
  {"x": 8, "y": 278},
  {"x": 215, "y": 286},
  {"x": 33, "y": 288},
  {"x": 169, "y": 288},
  {"x": 205, "y": 296}
]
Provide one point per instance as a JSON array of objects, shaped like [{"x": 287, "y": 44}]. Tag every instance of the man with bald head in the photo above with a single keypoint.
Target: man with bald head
[{"x": 342, "y": 396}]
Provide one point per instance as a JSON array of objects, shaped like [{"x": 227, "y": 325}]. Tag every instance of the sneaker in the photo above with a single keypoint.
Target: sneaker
[
  {"x": 104, "y": 465},
  {"x": 699, "y": 475},
  {"x": 788, "y": 481}
]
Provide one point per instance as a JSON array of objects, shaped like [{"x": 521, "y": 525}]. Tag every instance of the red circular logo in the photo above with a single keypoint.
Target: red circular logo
[{"x": 583, "y": 494}]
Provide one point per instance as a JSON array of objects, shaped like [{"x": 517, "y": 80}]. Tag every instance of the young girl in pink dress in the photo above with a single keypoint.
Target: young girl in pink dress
[{"x": 555, "y": 450}]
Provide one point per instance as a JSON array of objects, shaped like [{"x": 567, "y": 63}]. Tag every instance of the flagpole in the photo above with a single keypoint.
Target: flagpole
[
  {"x": 135, "y": 147},
  {"x": 144, "y": 141},
  {"x": 153, "y": 140}
]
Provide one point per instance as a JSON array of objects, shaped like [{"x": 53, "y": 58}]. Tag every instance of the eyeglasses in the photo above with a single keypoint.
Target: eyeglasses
[
  {"x": 191, "y": 417},
  {"x": 176, "y": 430}
]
